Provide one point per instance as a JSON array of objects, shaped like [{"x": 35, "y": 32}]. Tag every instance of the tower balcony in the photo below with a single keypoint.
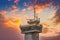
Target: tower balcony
[{"x": 31, "y": 29}]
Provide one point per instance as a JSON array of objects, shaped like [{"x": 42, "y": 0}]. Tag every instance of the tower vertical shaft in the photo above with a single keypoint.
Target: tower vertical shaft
[{"x": 32, "y": 36}]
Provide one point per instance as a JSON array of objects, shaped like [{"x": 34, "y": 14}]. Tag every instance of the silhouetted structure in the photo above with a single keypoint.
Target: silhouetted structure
[{"x": 33, "y": 28}]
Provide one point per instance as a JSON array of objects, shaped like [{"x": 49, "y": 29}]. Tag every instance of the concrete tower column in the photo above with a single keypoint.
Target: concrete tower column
[{"x": 32, "y": 36}]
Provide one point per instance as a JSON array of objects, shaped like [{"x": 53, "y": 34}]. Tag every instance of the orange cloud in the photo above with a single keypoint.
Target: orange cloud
[
  {"x": 14, "y": 21},
  {"x": 14, "y": 7},
  {"x": 8, "y": 28},
  {"x": 3, "y": 12},
  {"x": 39, "y": 8},
  {"x": 9, "y": 21},
  {"x": 3, "y": 17},
  {"x": 57, "y": 16},
  {"x": 30, "y": 8}
]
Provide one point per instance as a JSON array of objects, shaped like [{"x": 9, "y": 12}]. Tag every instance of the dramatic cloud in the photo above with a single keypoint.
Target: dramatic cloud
[
  {"x": 7, "y": 31},
  {"x": 51, "y": 31},
  {"x": 57, "y": 16},
  {"x": 10, "y": 26},
  {"x": 3, "y": 18}
]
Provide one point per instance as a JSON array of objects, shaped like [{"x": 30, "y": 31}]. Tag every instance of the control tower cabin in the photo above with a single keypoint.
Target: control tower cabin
[{"x": 33, "y": 28}]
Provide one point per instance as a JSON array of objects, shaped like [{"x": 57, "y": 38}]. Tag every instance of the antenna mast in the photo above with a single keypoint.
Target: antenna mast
[
  {"x": 34, "y": 7},
  {"x": 35, "y": 20}
]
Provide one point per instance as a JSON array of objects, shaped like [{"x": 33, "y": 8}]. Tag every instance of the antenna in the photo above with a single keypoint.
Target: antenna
[
  {"x": 34, "y": 8},
  {"x": 35, "y": 15},
  {"x": 35, "y": 20}
]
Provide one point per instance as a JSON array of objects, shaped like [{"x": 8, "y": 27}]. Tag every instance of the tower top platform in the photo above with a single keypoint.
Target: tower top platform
[
  {"x": 31, "y": 28},
  {"x": 32, "y": 21},
  {"x": 33, "y": 24}
]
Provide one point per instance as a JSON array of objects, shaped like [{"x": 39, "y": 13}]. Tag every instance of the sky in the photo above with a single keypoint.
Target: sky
[
  {"x": 14, "y": 13},
  {"x": 26, "y": 7},
  {"x": 5, "y": 4}
]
